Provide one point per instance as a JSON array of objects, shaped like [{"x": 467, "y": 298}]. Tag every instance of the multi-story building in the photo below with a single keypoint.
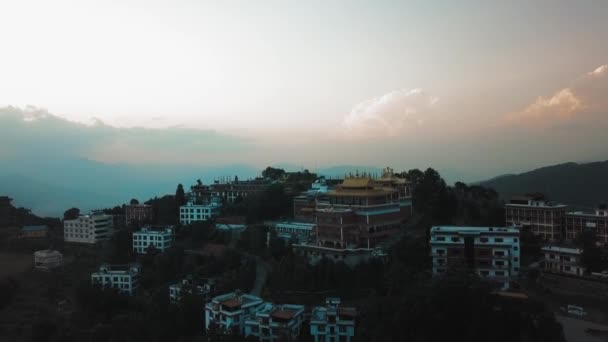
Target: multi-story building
[
  {"x": 357, "y": 218},
  {"x": 124, "y": 278},
  {"x": 563, "y": 260},
  {"x": 491, "y": 252},
  {"x": 33, "y": 232},
  {"x": 275, "y": 322},
  {"x": 542, "y": 218},
  {"x": 301, "y": 232},
  {"x": 191, "y": 212},
  {"x": 47, "y": 259},
  {"x": 159, "y": 238},
  {"x": 359, "y": 213},
  {"x": 203, "y": 287},
  {"x": 230, "y": 311},
  {"x": 332, "y": 322},
  {"x": 578, "y": 222},
  {"x": 305, "y": 203},
  {"x": 228, "y": 190},
  {"x": 91, "y": 228},
  {"x": 141, "y": 213}
]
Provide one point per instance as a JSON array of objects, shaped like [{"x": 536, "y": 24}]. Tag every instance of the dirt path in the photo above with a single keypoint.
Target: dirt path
[{"x": 262, "y": 268}]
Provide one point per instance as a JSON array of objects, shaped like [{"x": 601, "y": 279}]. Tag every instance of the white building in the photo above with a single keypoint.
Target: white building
[
  {"x": 563, "y": 260},
  {"x": 276, "y": 322},
  {"x": 492, "y": 252},
  {"x": 230, "y": 311},
  {"x": 125, "y": 278},
  {"x": 160, "y": 239},
  {"x": 47, "y": 259},
  {"x": 91, "y": 228},
  {"x": 191, "y": 212},
  {"x": 202, "y": 287},
  {"x": 301, "y": 232},
  {"x": 332, "y": 322}
]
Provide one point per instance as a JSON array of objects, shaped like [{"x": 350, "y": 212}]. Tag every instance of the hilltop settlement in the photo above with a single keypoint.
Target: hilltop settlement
[{"x": 294, "y": 256}]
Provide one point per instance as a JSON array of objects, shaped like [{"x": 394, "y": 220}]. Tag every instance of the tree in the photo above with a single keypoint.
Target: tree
[
  {"x": 273, "y": 173},
  {"x": 134, "y": 201},
  {"x": 71, "y": 214},
  {"x": 180, "y": 196}
]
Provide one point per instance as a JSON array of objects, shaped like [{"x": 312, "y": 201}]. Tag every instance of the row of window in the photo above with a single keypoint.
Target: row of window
[{"x": 152, "y": 238}]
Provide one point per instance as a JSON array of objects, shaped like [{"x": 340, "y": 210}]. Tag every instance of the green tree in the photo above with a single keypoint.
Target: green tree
[
  {"x": 71, "y": 214},
  {"x": 134, "y": 201},
  {"x": 180, "y": 195}
]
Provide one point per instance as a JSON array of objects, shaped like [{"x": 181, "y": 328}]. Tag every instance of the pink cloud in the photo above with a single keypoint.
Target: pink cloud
[
  {"x": 389, "y": 115},
  {"x": 585, "y": 101}
]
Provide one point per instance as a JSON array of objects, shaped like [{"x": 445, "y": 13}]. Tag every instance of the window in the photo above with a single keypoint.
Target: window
[
  {"x": 499, "y": 253},
  {"x": 498, "y": 240},
  {"x": 440, "y": 238},
  {"x": 516, "y": 259},
  {"x": 483, "y": 239},
  {"x": 455, "y": 239},
  {"x": 484, "y": 273},
  {"x": 515, "y": 248}
]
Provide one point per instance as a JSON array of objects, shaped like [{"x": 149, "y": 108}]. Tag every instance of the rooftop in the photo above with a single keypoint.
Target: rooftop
[
  {"x": 474, "y": 230},
  {"x": 561, "y": 249}
]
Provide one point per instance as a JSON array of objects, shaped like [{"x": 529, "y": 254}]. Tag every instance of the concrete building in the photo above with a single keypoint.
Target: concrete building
[
  {"x": 332, "y": 322},
  {"x": 542, "y": 218},
  {"x": 273, "y": 323},
  {"x": 203, "y": 287},
  {"x": 28, "y": 232},
  {"x": 492, "y": 252},
  {"x": 227, "y": 190},
  {"x": 47, "y": 259},
  {"x": 141, "y": 213},
  {"x": 563, "y": 260},
  {"x": 578, "y": 222},
  {"x": 91, "y": 228},
  {"x": 359, "y": 217},
  {"x": 191, "y": 212},
  {"x": 230, "y": 311},
  {"x": 124, "y": 278},
  {"x": 301, "y": 232},
  {"x": 160, "y": 238}
]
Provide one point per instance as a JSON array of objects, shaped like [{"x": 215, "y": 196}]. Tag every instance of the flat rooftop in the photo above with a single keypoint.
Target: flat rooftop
[{"x": 474, "y": 230}]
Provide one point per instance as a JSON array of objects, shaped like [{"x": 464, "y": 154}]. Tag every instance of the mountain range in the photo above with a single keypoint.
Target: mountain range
[{"x": 579, "y": 185}]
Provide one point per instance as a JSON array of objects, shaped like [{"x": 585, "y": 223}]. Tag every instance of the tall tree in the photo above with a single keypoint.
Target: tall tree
[
  {"x": 180, "y": 195},
  {"x": 134, "y": 201},
  {"x": 71, "y": 214}
]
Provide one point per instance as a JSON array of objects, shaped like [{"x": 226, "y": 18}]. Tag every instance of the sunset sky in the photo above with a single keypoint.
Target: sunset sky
[{"x": 480, "y": 86}]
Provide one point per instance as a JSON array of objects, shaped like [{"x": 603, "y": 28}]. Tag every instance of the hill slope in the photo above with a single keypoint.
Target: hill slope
[{"x": 571, "y": 183}]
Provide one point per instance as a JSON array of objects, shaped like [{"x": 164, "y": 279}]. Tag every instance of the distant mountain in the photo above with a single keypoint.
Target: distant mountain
[
  {"x": 575, "y": 184},
  {"x": 49, "y": 187}
]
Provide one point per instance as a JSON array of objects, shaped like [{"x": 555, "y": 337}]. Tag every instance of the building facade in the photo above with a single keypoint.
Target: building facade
[
  {"x": 160, "y": 239},
  {"x": 124, "y": 278},
  {"x": 578, "y": 222},
  {"x": 141, "y": 213},
  {"x": 563, "y": 260},
  {"x": 191, "y": 212},
  {"x": 493, "y": 253},
  {"x": 272, "y": 323},
  {"x": 199, "y": 286},
  {"x": 47, "y": 259},
  {"x": 300, "y": 232},
  {"x": 91, "y": 228},
  {"x": 332, "y": 322},
  {"x": 230, "y": 311},
  {"x": 542, "y": 218},
  {"x": 227, "y": 190}
]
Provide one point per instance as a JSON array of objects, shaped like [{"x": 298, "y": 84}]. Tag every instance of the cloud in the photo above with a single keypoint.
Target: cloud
[
  {"x": 36, "y": 133},
  {"x": 584, "y": 102},
  {"x": 390, "y": 115}
]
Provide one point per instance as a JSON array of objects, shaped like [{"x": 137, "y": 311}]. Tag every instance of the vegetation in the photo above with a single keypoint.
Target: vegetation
[{"x": 575, "y": 184}]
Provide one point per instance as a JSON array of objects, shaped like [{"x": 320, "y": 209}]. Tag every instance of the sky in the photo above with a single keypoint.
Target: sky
[{"x": 481, "y": 87}]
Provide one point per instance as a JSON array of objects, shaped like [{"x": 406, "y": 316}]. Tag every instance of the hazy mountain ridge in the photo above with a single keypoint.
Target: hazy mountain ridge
[{"x": 582, "y": 185}]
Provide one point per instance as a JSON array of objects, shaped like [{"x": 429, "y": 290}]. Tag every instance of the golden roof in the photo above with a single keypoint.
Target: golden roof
[{"x": 357, "y": 182}]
